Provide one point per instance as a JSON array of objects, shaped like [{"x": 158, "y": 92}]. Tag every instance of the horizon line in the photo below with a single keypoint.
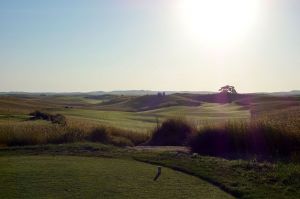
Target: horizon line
[{"x": 141, "y": 90}]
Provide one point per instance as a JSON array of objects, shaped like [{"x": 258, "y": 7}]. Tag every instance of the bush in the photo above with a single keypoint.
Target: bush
[
  {"x": 56, "y": 119},
  {"x": 245, "y": 139},
  {"x": 99, "y": 134},
  {"x": 38, "y": 115},
  {"x": 172, "y": 132}
]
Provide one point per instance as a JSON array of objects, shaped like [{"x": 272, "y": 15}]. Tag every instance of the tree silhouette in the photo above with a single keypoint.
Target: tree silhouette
[{"x": 228, "y": 89}]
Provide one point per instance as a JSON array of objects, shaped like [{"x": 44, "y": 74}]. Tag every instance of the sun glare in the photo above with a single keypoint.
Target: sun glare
[{"x": 218, "y": 22}]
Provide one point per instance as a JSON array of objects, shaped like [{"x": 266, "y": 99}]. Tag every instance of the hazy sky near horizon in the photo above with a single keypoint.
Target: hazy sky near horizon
[{"x": 88, "y": 45}]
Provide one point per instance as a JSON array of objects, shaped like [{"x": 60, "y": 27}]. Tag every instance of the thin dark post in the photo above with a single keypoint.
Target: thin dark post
[{"x": 158, "y": 173}]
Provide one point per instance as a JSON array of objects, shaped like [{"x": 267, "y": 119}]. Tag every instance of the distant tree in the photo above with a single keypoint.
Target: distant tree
[
  {"x": 160, "y": 94},
  {"x": 228, "y": 89}
]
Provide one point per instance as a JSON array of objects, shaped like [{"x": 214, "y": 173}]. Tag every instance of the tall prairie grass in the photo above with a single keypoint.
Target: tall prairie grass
[
  {"x": 239, "y": 139},
  {"x": 42, "y": 132}
]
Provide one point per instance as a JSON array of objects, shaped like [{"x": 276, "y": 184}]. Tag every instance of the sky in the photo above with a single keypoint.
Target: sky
[{"x": 184, "y": 45}]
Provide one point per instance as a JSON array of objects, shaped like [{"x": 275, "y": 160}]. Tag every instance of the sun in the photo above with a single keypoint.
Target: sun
[{"x": 218, "y": 22}]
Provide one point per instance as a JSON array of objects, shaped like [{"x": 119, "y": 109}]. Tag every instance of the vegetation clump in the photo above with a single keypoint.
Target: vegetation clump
[
  {"x": 99, "y": 134},
  {"x": 172, "y": 132},
  {"x": 56, "y": 119}
]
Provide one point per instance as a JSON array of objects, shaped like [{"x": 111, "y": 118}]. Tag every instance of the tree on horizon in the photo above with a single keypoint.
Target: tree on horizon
[{"x": 228, "y": 89}]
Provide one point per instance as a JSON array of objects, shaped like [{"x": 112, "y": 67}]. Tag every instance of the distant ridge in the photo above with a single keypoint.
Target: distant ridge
[
  {"x": 117, "y": 92},
  {"x": 146, "y": 92},
  {"x": 293, "y": 92},
  {"x": 139, "y": 93}
]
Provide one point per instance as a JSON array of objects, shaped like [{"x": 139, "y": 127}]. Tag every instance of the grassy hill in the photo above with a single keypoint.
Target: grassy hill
[
  {"x": 142, "y": 103},
  {"x": 148, "y": 102}
]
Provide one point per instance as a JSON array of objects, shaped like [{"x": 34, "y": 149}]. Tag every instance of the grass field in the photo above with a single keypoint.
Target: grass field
[
  {"x": 88, "y": 177},
  {"x": 129, "y": 121}
]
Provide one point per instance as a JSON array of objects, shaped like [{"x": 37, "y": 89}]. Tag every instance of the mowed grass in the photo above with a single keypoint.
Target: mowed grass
[
  {"x": 207, "y": 113},
  {"x": 90, "y": 177}
]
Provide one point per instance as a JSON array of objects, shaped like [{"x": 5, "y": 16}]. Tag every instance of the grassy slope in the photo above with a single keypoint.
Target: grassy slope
[
  {"x": 149, "y": 102},
  {"x": 88, "y": 177}
]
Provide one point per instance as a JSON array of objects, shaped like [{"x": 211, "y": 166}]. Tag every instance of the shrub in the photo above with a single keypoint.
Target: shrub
[
  {"x": 38, "y": 115},
  {"x": 172, "y": 132},
  {"x": 99, "y": 134},
  {"x": 56, "y": 119}
]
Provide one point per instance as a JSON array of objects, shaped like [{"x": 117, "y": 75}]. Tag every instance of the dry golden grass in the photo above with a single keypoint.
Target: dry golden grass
[{"x": 42, "y": 132}]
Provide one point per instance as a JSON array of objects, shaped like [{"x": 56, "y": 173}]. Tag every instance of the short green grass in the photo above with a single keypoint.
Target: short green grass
[{"x": 90, "y": 177}]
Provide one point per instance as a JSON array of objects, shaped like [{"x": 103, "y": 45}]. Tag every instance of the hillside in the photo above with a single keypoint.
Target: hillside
[
  {"x": 147, "y": 102},
  {"x": 254, "y": 102}
]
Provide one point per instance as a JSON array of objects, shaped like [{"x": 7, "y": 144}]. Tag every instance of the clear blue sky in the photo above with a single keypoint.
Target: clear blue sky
[{"x": 87, "y": 45}]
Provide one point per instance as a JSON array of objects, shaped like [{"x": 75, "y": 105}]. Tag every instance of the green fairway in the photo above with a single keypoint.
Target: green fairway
[
  {"x": 145, "y": 120},
  {"x": 87, "y": 177}
]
